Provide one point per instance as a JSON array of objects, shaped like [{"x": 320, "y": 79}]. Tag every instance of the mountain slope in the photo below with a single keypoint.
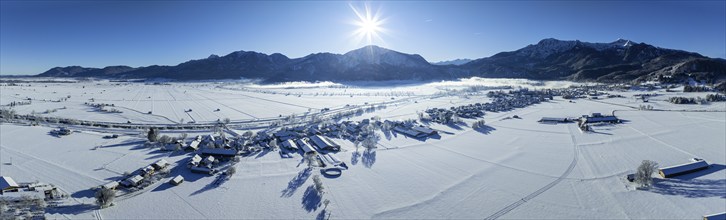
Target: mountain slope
[
  {"x": 549, "y": 59},
  {"x": 618, "y": 61}
]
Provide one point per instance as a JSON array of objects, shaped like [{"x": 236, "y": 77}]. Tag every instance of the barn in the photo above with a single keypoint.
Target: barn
[
  {"x": 716, "y": 216},
  {"x": 7, "y": 184},
  {"x": 219, "y": 152},
  {"x": 598, "y": 118},
  {"x": 551, "y": 120},
  {"x": 306, "y": 146},
  {"x": 686, "y": 168},
  {"x": 289, "y": 144},
  {"x": 324, "y": 143}
]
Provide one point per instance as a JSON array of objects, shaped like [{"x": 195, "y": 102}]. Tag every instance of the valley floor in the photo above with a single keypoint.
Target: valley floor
[{"x": 515, "y": 169}]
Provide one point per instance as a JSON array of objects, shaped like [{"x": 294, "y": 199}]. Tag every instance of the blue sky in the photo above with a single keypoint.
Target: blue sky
[{"x": 38, "y": 35}]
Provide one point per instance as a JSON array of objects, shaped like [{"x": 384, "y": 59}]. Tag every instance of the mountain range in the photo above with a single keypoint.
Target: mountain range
[{"x": 549, "y": 59}]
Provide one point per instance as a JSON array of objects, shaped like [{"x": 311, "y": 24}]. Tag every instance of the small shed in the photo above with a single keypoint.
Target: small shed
[
  {"x": 176, "y": 180},
  {"x": 161, "y": 164},
  {"x": 208, "y": 160},
  {"x": 132, "y": 181},
  {"x": 195, "y": 160},
  {"x": 193, "y": 145},
  {"x": 110, "y": 185},
  {"x": 148, "y": 170},
  {"x": 686, "y": 168}
]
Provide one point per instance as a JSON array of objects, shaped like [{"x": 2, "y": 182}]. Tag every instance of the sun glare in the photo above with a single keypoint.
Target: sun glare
[{"x": 369, "y": 25}]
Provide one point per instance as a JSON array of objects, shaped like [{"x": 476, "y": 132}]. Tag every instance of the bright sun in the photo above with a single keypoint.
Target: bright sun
[{"x": 369, "y": 25}]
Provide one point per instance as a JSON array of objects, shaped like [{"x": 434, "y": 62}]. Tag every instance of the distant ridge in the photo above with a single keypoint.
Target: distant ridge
[
  {"x": 455, "y": 62},
  {"x": 550, "y": 59}
]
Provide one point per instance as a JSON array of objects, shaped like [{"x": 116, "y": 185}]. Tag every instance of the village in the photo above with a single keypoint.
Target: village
[{"x": 325, "y": 143}]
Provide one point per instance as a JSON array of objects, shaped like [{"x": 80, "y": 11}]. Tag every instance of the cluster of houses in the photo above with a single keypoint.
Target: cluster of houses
[
  {"x": 26, "y": 200},
  {"x": 138, "y": 176},
  {"x": 502, "y": 101},
  {"x": 11, "y": 191}
]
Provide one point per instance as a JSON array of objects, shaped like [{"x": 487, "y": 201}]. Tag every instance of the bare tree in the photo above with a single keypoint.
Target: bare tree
[
  {"x": 318, "y": 184},
  {"x": 104, "y": 197},
  {"x": 644, "y": 175},
  {"x": 231, "y": 171},
  {"x": 164, "y": 139},
  {"x": 273, "y": 145},
  {"x": 310, "y": 159},
  {"x": 371, "y": 140},
  {"x": 326, "y": 202},
  {"x": 479, "y": 124},
  {"x": 153, "y": 135}
]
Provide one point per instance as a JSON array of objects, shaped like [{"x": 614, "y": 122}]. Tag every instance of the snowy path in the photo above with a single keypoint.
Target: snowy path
[{"x": 534, "y": 194}]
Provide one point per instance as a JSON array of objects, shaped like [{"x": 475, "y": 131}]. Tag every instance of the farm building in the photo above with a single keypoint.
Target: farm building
[
  {"x": 677, "y": 170},
  {"x": 161, "y": 164},
  {"x": 7, "y": 184},
  {"x": 132, "y": 181},
  {"x": 597, "y": 118},
  {"x": 550, "y": 120},
  {"x": 195, "y": 160},
  {"x": 284, "y": 135},
  {"x": 148, "y": 170},
  {"x": 289, "y": 144},
  {"x": 48, "y": 190},
  {"x": 717, "y": 216},
  {"x": 219, "y": 152},
  {"x": 176, "y": 180},
  {"x": 324, "y": 143},
  {"x": 208, "y": 161},
  {"x": 305, "y": 146},
  {"x": 415, "y": 131},
  {"x": 194, "y": 145},
  {"x": 408, "y": 132},
  {"x": 110, "y": 185},
  {"x": 203, "y": 170},
  {"x": 424, "y": 130}
]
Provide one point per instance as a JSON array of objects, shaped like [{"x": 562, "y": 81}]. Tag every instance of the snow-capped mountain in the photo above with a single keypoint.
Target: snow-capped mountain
[
  {"x": 617, "y": 61},
  {"x": 456, "y": 62}
]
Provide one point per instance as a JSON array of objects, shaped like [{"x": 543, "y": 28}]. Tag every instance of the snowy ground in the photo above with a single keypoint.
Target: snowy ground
[{"x": 517, "y": 168}]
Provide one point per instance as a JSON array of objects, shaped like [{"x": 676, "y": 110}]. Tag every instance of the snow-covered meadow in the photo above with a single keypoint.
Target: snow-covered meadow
[{"x": 516, "y": 168}]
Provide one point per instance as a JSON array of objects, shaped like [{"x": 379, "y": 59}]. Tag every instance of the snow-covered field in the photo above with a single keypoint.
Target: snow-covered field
[{"x": 517, "y": 169}]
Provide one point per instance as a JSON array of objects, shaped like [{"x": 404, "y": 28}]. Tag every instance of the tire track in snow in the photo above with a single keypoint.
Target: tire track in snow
[
  {"x": 213, "y": 100},
  {"x": 534, "y": 194},
  {"x": 664, "y": 143}
]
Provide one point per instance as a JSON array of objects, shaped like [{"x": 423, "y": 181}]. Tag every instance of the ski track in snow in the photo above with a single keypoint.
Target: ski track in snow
[{"x": 534, "y": 194}]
